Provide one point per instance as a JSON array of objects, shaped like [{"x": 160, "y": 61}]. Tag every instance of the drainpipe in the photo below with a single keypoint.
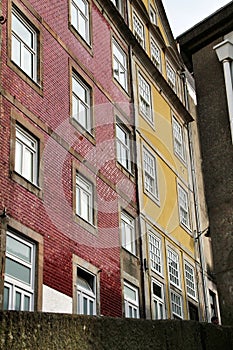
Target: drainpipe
[
  {"x": 224, "y": 51},
  {"x": 198, "y": 237},
  {"x": 136, "y": 167},
  {"x": 199, "y": 233}
]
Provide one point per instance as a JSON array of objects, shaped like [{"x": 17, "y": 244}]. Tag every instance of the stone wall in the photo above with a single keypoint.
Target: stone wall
[{"x": 43, "y": 331}]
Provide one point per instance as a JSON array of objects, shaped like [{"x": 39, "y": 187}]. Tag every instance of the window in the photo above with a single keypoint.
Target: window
[
  {"x": 213, "y": 304},
  {"x": 26, "y": 155},
  {"x": 155, "y": 54},
  {"x": 158, "y": 309},
  {"x": 171, "y": 76},
  {"x": 190, "y": 280},
  {"x": 177, "y": 308},
  {"x": 150, "y": 176},
  {"x": 19, "y": 274},
  {"x": 153, "y": 17},
  {"x": 120, "y": 65},
  {"x": 84, "y": 199},
  {"x": 131, "y": 301},
  {"x": 24, "y": 45},
  {"x": 145, "y": 98},
  {"x": 81, "y": 100},
  {"x": 86, "y": 293},
  {"x": 155, "y": 253},
  {"x": 138, "y": 29},
  {"x": 178, "y": 139},
  {"x": 80, "y": 18},
  {"x": 173, "y": 268},
  {"x": 128, "y": 233},
  {"x": 183, "y": 206},
  {"x": 123, "y": 147},
  {"x": 118, "y": 4},
  {"x": 193, "y": 312}
]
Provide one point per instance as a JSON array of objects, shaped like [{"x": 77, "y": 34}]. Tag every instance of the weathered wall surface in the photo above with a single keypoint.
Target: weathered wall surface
[
  {"x": 44, "y": 331},
  {"x": 216, "y": 145}
]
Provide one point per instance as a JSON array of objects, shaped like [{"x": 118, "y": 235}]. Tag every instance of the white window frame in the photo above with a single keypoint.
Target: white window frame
[
  {"x": 13, "y": 283},
  {"x": 84, "y": 193},
  {"x": 190, "y": 280},
  {"x": 26, "y": 144},
  {"x": 120, "y": 65},
  {"x": 123, "y": 147},
  {"x": 24, "y": 47},
  {"x": 131, "y": 305},
  {"x": 128, "y": 234},
  {"x": 155, "y": 251},
  {"x": 155, "y": 53},
  {"x": 88, "y": 294},
  {"x": 153, "y": 15},
  {"x": 171, "y": 76},
  {"x": 78, "y": 14},
  {"x": 82, "y": 114},
  {"x": 184, "y": 212},
  {"x": 158, "y": 304},
  {"x": 150, "y": 174},
  {"x": 173, "y": 267},
  {"x": 178, "y": 139},
  {"x": 138, "y": 29},
  {"x": 118, "y": 4},
  {"x": 145, "y": 101},
  {"x": 177, "y": 304}
]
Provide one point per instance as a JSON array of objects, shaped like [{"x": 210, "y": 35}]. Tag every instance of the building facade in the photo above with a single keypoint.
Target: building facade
[
  {"x": 98, "y": 208},
  {"x": 210, "y": 44}
]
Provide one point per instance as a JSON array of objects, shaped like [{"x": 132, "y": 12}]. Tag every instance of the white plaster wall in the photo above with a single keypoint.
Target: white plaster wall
[{"x": 54, "y": 301}]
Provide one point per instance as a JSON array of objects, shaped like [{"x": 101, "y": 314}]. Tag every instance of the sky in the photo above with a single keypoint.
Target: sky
[{"x": 184, "y": 14}]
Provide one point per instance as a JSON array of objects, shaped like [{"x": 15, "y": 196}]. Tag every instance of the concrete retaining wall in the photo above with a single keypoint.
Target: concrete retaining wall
[{"x": 43, "y": 331}]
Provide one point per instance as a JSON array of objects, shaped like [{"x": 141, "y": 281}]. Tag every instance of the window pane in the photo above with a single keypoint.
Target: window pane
[
  {"x": 130, "y": 293},
  {"x": 18, "y": 271},
  {"x": 15, "y": 52},
  {"x": 85, "y": 206},
  {"x": 28, "y": 62},
  {"x": 18, "y": 249},
  {"x": 22, "y": 31},
  {"x": 74, "y": 17},
  {"x": 91, "y": 305},
  {"x": 26, "y": 303},
  {"x": 6, "y": 298},
  {"x": 18, "y": 157},
  {"x": 81, "y": 5},
  {"x": 82, "y": 27},
  {"x": 28, "y": 164},
  {"x": 79, "y": 304},
  {"x": 17, "y": 301},
  {"x": 75, "y": 104},
  {"x": 85, "y": 306}
]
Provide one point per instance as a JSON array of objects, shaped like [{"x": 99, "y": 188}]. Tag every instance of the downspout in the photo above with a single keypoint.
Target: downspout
[
  {"x": 198, "y": 237},
  {"x": 196, "y": 206},
  {"x": 224, "y": 51},
  {"x": 136, "y": 181}
]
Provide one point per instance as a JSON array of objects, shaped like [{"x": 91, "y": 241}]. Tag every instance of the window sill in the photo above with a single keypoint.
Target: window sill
[
  {"x": 33, "y": 188},
  {"x": 35, "y": 85},
  {"x": 125, "y": 171},
  {"x": 152, "y": 197},
  {"x": 149, "y": 121},
  {"x": 130, "y": 253},
  {"x": 181, "y": 159},
  {"x": 85, "y": 44},
  {"x": 176, "y": 289},
  {"x": 118, "y": 84},
  {"x": 86, "y": 225},
  {"x": 186, "y": 228},
  {"x": 90, "y": 137}
]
